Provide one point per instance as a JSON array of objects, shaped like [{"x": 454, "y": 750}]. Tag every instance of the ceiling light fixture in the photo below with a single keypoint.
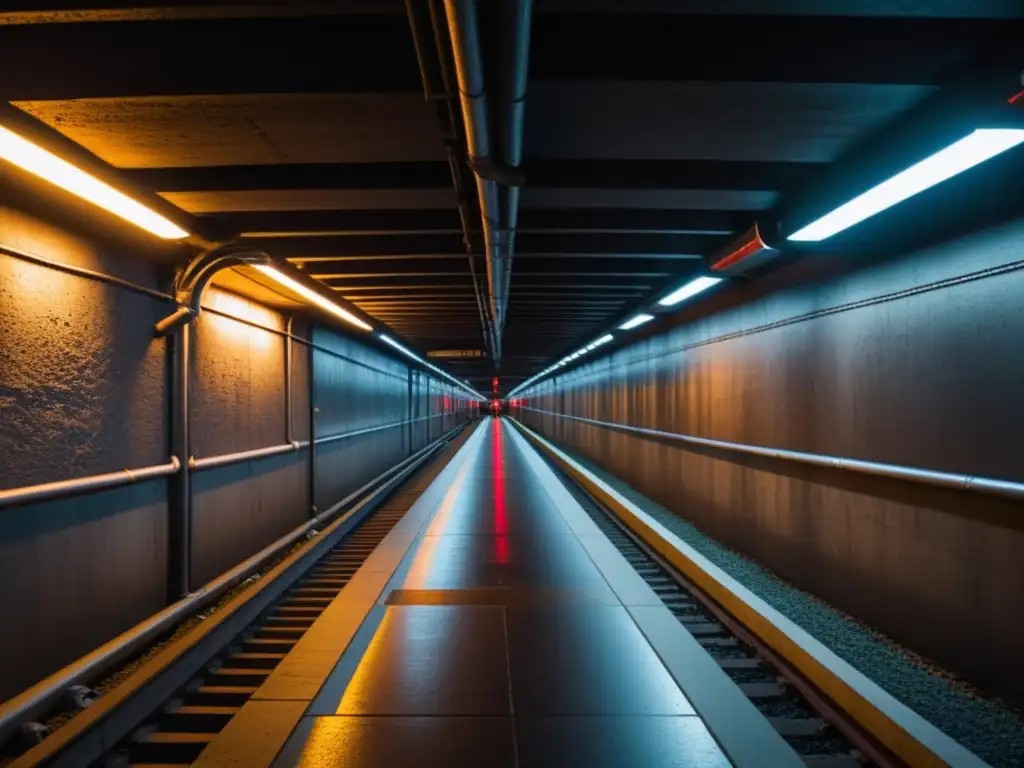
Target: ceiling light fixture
[
  {"x": 310, "y": 295},
  {"x": 692, "y": 288},
  {"x": 635, "y": 321},
  {"x": 40, "y": 162},
  {"x": 975, "y": 148}
]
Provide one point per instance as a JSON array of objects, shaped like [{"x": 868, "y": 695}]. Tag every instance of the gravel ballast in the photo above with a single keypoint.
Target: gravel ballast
[{"x": 990, "y": 729}]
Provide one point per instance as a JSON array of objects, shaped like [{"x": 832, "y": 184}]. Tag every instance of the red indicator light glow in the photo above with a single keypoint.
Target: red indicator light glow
[
  {"x": 754, "y": 244},
  {"x": 501, "y": 544}
]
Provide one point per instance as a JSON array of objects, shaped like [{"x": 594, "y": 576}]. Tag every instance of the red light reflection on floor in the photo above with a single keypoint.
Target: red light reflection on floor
[{"x": 501, "y": 553}]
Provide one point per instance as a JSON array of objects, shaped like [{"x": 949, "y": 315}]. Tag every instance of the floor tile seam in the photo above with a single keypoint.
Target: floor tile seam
[
  {"x": 511, "y": 696},
  {"x": 521, "y": 441},
  {"x": 485, "y": 716}
]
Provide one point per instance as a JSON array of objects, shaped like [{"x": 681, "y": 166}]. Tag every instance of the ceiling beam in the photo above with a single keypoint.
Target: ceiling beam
[
  {"x": 601, "y": 173},
  {"x": 229, "y": 178},
  {"x": 356, "y": 245},
  {"x": 815, "y": 49},
  {"x": 620, "y": 243},
  {"x": 690, "y": 245},
  {"x": 341, "y": 54},
  {"x": 552, "y": 173},
  {"x": 446, "y": 221},
  {"x": 311, "y": 222}
]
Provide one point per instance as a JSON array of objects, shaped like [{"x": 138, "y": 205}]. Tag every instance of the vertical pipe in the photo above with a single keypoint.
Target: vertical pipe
[
  {"x": 179, "y": 496},
  {"x": 408, "y": 413},
  {"x": 288, "y": 381},
  {"x": 467, "y": 54},
  {"x": 515, "y": 57},
  {"x": 311, "y": 377}
]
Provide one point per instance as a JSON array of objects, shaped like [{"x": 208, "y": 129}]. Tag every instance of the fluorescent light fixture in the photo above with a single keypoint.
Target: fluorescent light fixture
[
  {"x": 310, "y": 295},
  {"x": 333, "y": 308},
  {"x": 692, "y": 288},
  {"x": 46, "y": 165},
  {"x": 974, "y": 148},
  {"x": 401, "y": 348},
  {"x": 603, "y": 340},
  {"x": 634, "y": 321}
]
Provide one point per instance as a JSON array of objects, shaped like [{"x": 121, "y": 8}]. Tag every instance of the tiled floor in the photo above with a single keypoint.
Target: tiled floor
[{"x": 502, "y": 646}]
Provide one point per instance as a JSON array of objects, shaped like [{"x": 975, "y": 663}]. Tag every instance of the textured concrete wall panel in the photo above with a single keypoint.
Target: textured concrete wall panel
[
  {"x": 239, "y": 509},
  {"x": 238, "y": 378},
  {"x": 76, "y": 572},
  {"x": 908, "y": 361},
  {"x": 81, "y": 392},
  {"x": 81, "y": 376}
]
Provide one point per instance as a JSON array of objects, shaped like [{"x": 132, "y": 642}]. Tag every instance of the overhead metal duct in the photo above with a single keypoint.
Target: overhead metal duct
[{"x": 498, "y": 178}]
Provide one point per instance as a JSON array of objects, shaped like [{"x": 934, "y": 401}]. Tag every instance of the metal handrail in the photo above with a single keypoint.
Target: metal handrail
[
  {"x": 35, "y": 701},
  {"x": 33, "y": 493},
  {"x": 368, "y": 430},
  {"x": 210, "y": 462},
  {"x": 990, "y": 486},
  {"x": 43, "y": 491}
]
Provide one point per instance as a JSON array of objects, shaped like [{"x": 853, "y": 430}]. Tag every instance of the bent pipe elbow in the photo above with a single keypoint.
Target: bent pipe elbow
[{"x": 196, "y": 276}]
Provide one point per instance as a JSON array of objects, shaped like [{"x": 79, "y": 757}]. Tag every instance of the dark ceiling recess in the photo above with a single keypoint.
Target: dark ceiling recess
[{"x": 652, "y": 135}]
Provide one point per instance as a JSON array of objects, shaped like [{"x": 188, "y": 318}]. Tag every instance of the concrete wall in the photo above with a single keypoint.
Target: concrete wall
[
  {"x": 83, "y": 391},
  {"x": 913, "y": 361},
  {"x": 238, "y": 404}
]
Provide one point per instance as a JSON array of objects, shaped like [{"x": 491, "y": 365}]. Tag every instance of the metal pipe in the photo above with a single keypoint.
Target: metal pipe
[
  {"x": 89, "y": 274},
  {"x": 166, "y": 326},
  {"x": 515, "y": 56},
  {"x": 443, "y": 51},
  {"x": 193, "y": 279},
  {"x": 311, "y": 394},
  {"x": 288, "y": 381},
  {"x": 212, "y": 462},
  {"x": 179, "y": 492},
  {"x": 368, "y": 430},
  {"x": 468, "y": 60},
  {"x": 43, "y": 696},
  {"x": 989, "y": 486},
  {"x": 33, "y": 493}
]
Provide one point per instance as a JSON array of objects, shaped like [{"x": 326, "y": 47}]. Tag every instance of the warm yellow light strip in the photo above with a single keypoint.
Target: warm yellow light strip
[
  {"x": 36, "y": 160},
  {"x": 311, "y": 296}
]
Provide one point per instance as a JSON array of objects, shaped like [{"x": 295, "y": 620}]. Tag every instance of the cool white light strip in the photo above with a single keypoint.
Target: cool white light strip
[{"x": 974, "y": 148}]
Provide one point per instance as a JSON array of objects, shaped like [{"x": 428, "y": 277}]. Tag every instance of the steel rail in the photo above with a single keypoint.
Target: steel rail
[
  {"x": 990, "y": 486},
  {"x": 44, "y": 491},
  {"x": 45, "y": 696}
]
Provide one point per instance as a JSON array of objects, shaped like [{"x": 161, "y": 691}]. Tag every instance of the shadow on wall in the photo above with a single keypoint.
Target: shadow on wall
[
  {"x": 62, "y": 563},
  {"x": 904, "y": 362},
  {"x": 84, "y": 391}
]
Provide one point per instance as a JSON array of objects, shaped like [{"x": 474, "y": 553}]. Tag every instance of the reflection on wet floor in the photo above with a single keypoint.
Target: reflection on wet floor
[{"x": 502, "y": 645}]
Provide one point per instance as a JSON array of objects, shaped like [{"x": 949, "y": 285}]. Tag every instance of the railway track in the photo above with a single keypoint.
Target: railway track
[
  {"x": 168, "y": 718},
  {"x": 820, "y": 733},
  {"x": 188, "y": 714}
]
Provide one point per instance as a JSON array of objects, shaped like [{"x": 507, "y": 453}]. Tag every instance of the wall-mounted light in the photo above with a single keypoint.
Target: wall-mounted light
[
  {"x": 969, "y": 151},
  {"x": 30, "y": 157},
  {"x": 692, "y": 288},
  {"x": 635, "y": 321},
  {"x": 311, "y": 296}
]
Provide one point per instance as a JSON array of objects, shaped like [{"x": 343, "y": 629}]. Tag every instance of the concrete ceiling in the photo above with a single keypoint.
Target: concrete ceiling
[{"x": 655, "y": 132}]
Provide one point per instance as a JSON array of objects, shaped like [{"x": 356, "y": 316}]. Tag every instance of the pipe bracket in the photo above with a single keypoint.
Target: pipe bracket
[
  {"x": 189, "y": 285},
  {"x": 491, "y": 169}
]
